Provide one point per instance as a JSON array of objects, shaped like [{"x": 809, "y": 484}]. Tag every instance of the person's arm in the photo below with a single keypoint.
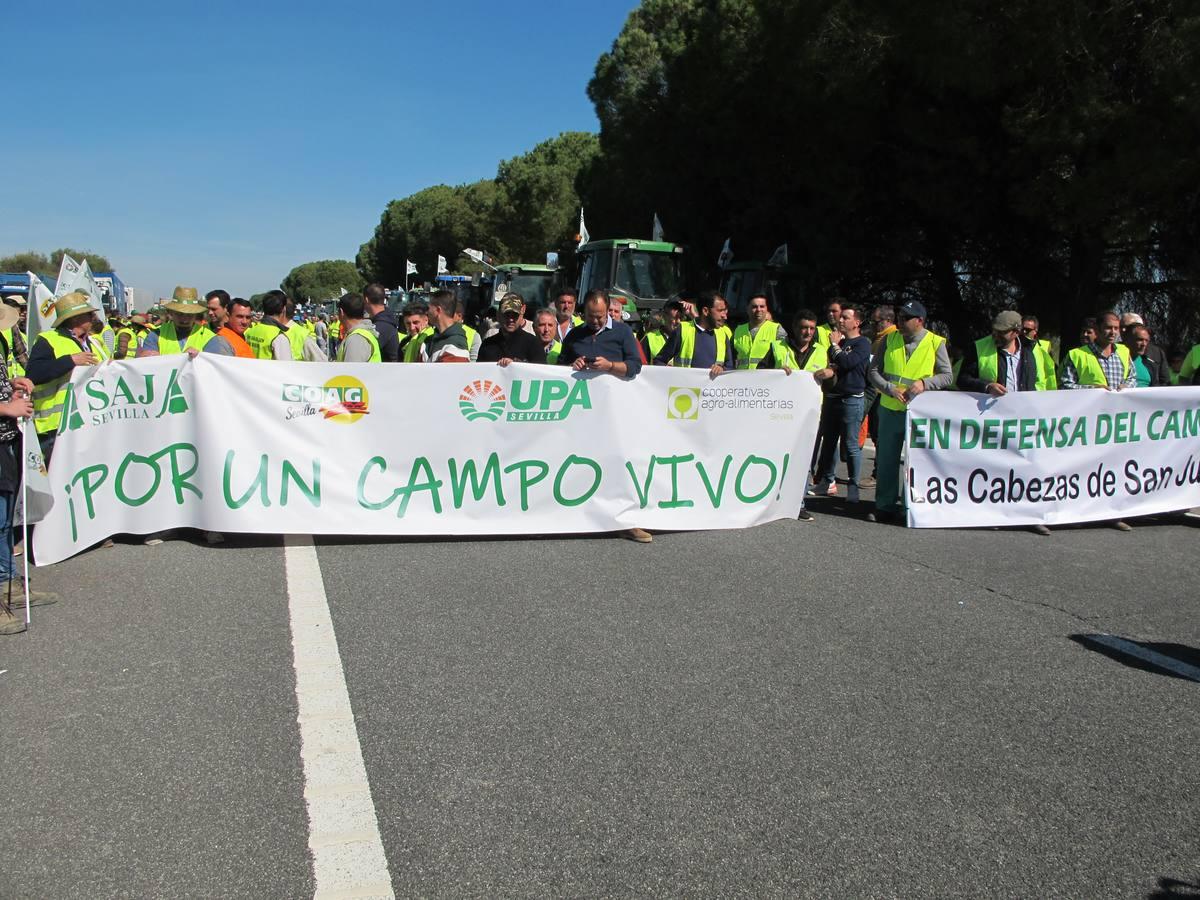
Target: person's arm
[
  {"x": 943, "y": 371},
  {"x": 534, "y": 351},
  {"x": 968, "y": 375},
  {"x": 312, "y": 351},
  {"x": 149, "y": 345},
  {"x": 219, "y": 345},
  {"x": 1070, "y": 378},
  {"x": 490, "y": 351},
  {"x": 629, "y": 353},
  {"x": 875, "y": 373},
  {"x": 473, "y": 350},
  {"x": 669, "y": 351},
  {"x": 567, "y": 354},
  {"x": 1130, "y": 379},
  {"x": 44, "y": 366},
  {"x": 281, "y": 347},
  {"x": 358, "y": 349},
  {"x": 847, "y": 359}
]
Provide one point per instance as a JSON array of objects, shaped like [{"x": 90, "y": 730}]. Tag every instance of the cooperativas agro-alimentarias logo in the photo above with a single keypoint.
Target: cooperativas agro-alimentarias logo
[
  {"x": 535, "y": 400},
  {"x": 342, "y": 399}
]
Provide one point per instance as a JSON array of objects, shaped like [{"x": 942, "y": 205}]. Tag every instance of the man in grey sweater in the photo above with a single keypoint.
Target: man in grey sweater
[{"x": 911, "y": 361}]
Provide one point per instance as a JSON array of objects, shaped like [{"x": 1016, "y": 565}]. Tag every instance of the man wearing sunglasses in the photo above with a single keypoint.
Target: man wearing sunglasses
[
  {"x": 1030, "y": 328},
  {"x": 911, "y": 361}
]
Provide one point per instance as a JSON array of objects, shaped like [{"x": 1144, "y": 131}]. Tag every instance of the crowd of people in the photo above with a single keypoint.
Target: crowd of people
[{"x": 869, "y": 364}]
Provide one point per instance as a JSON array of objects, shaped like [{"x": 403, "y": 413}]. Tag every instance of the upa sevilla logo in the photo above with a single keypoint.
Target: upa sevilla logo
[
  {"x": 342, "y": 399},
  {"x": 538, "y": 400},
  {"x": 482, "y": 400}
]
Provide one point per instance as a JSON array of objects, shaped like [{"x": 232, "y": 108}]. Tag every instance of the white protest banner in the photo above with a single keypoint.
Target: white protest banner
[
  {"x": 236, "y": 445},
  {"x": 1051, "y": 457}
]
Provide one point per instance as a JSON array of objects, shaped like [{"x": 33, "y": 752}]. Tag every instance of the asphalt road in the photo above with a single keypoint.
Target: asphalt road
[{"x": 802, "y": 709}]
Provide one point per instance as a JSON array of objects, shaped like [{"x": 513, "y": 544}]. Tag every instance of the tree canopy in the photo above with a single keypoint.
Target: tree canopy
[
  {"x": 529, "y": 208},
  {"x": 323, "y": 280},
  {"x": 979, "y": 155},
  {"x": 43, "y": 264}
]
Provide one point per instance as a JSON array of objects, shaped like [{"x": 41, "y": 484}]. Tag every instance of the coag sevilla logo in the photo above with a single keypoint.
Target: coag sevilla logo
[
  {"x": 342, "y": 399},
  {"x": 482, "y": 400}
]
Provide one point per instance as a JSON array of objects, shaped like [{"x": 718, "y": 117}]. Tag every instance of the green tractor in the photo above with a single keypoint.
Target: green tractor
[
  {"x": 644, "y": 274},
  {"x": 534, "y": 282},
  {"x": 786, "y": 288}
]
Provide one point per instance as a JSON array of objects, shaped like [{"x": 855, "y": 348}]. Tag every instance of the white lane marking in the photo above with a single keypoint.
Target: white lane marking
[
  {"x": 1129, "y": 648},
  {"x": 343, "y": 832}
]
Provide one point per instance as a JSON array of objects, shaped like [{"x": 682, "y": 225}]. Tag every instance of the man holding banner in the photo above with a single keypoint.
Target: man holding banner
[
  {"x": 54, "y": 356},
  {"x": 911, "y": 361}
]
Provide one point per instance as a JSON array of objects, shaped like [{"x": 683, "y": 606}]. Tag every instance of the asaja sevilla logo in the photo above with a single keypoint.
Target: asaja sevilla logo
[
  {"x": 482, "y": 400},
  {"x": 342, "y": 399}
]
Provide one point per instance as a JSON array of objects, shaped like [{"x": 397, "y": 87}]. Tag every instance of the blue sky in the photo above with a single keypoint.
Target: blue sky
[{"x": 220, "y": 144}]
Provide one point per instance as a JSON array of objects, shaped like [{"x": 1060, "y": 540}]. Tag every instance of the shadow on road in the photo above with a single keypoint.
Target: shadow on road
[
  {"x": 1126, "y": 650},
  {"x": 1173, "y": 889}
]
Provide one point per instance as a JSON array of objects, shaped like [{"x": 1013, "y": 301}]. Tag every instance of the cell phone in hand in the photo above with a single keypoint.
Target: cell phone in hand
[{"x": 589, "y": 360}]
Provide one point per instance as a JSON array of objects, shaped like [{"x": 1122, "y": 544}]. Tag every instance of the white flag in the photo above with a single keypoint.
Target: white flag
[
  {"x": 726, "y": 256},
  {"x": 68, "y": 271},
  {"x": 584, "y": 237},
  {"x": 41, "y": 310},
  {"x": 779, "y": 257},
  {"x": 476, "y": 255},
  {"x": 35, "y": 499},
  {"x": 656, "y": 233},
  {"x": 77, "y": 276},
  {"x": 442, "y": 270},
  {"x": 412, "y": 267}
]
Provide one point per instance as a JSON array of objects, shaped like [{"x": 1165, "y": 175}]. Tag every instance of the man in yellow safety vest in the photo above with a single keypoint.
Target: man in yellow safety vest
[
  {"x": 911, "y": 361},
  {"x": 184, "y": 332},
  {"x": 753, "y": 340}
]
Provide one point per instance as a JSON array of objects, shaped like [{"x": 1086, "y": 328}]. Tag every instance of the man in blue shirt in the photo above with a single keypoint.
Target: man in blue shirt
[
  {"x": 842, "y": 412},
  {"x": 704, "y": 344},
  {"x": 600, "y": 344}
]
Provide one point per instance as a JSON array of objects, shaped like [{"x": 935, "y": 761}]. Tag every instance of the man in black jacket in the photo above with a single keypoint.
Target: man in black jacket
[
  {"x": 512, "y": 343},
  {"x": 1005, "y": 361},
  {"x": 386, "y": 326}
]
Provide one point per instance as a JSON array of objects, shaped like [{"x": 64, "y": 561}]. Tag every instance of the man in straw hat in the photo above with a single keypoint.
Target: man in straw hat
[
  {"x": 185, "y": 331},
  {"x": 55, "y": 353}
]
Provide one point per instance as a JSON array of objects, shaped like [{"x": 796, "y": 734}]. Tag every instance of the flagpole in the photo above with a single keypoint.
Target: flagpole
[{"x": 24, "y": 519}]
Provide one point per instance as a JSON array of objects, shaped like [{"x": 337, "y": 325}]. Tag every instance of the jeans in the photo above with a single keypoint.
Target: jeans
[
  {"x": 7, "y": 508},
  {"x": 841, "y": 418}
]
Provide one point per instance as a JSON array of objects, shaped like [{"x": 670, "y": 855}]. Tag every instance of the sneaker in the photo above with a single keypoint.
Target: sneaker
[
  {"x": 640, "y": 535},
  {"x": 1122, "y": 525},
  {"x": 832, "y": 491},
  {"x": 869, "y": 481},
  {"x": 805, "y": 516},
  {"x": 153, "y": 540},
  {"x": 852, "y": 493},
  {"x": 821, "y": 489},
  {"x": 1040, "y": 529}
]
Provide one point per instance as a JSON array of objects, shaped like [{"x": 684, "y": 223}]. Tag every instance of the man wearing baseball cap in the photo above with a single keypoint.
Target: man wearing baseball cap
[
  {"x": 512, "y": 343},
  {"x": 911, "y": 361}
]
